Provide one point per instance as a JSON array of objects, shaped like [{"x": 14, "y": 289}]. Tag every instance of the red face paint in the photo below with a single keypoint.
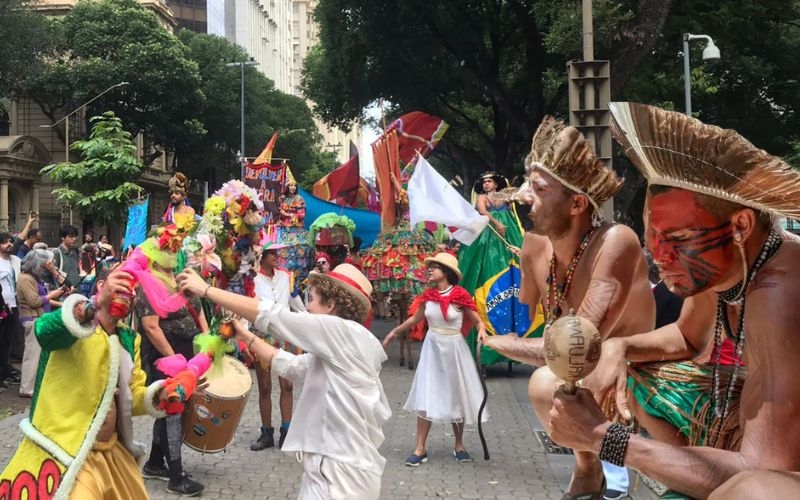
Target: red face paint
[{"x": 692, "y": 248}]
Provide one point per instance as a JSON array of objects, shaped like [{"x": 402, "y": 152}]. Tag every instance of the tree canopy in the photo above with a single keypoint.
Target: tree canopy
[
  {"x": 490, "y": 69},
  {"x": 103, "y": 183},
  {"x": 101, "y": 43},
  {"x": 267, "y": 110}
]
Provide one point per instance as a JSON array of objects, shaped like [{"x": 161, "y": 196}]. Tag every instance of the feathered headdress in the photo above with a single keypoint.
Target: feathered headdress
[
  {"x": 564, "y": 153},
  {"x": 672, "y": 149},
  {"x": 178, "y": 183}
]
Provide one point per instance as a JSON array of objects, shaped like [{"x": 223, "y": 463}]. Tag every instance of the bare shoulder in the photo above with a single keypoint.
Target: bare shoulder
[
  {"x": 535, "y": 244},
  {"x": 772, "y": 298},
  {"x": 618, "y": 239}
]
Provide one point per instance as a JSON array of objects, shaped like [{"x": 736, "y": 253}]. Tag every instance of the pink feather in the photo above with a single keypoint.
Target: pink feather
[
  {"x": 171, "y": 365},
  {"x": 154, "y": 289}
]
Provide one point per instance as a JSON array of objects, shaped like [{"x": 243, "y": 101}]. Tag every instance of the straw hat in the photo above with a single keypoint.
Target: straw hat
[
  {"x": 447, "y": 260},
  {"x": 178, "y": 183},
  {"x": 564, "y": 153},
  {"x": 672, "y": 149},
  {"x": 350, "y": 279}
]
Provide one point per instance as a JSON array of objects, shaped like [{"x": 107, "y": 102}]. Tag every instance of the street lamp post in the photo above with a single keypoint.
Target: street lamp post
[
  {"x": 242, "y": 64},
  {"x": 710, "y": 53},
  {"x": 65, "y": 118}
]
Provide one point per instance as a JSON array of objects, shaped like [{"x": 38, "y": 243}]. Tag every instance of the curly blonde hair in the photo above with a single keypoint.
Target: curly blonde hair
[{"x": 347, "y": 306}]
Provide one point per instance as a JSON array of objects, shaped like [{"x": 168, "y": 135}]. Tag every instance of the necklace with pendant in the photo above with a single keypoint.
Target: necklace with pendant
[{"x": 557, "y": 292}]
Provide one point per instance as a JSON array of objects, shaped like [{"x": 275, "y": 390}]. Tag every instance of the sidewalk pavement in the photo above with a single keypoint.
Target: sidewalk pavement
[{"x": 519, "y": 467}]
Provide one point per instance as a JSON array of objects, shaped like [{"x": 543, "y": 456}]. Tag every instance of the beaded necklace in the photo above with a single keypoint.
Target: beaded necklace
[
  {"x": 729, "y": 297},
  {"x": 557, "y": 292},
  {"x": 445, "y": 291}
]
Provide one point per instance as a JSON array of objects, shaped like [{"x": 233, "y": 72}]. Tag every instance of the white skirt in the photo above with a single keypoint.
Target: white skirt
[{"x": 446, "y": 387}]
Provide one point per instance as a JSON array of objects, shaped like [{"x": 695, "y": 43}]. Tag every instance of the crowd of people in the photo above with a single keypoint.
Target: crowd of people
[{"x": 700, "y": 353}]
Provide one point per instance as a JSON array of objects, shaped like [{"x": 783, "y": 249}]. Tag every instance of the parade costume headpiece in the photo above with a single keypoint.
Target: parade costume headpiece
[
  {"x": 564, "y": 153},
  {"x": 351, "y": 280},
  {"x": 672, "y": 149},
  {"x": 498, "y": 179},
  {"x": 447, "y": 260},
  {"x": 178, "y": 183}
]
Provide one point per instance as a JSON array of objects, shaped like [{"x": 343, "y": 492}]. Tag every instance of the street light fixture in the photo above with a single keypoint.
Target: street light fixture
[
  {"x": 710, "y": 53},
  {"x": 242, "y": 64},
  {"x": 65, "y": 118}
]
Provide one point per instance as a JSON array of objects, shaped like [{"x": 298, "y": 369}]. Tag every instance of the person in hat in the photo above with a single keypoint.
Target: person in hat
[
  {"x": 574, "y": 260},
  {"x": 276, "y": 284},
  {"x": 338, "y": 423},
  {"x": 489, "y": 255},
  {"x": 710, "y": 223},
  {"x": 179, "y": 212},
  {"x": 446, "y": 386},
  {"x": 78, "y": 439}
]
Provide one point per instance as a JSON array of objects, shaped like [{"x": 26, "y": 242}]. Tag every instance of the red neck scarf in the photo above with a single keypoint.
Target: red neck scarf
[{"x": 457, "y": 296}]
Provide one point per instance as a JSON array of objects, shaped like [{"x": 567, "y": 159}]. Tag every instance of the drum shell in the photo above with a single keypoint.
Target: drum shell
[{"x": 211, "y": 419}]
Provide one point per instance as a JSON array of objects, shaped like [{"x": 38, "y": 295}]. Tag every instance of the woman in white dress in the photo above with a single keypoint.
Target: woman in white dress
[{"x": 446, "y": 386}]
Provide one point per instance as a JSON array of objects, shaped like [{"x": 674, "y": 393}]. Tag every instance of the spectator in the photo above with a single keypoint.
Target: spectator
[
  {"x": 32, "y": 237},
  {"x": 9, "y": 325},
  {"x": 17, "y": 241},
  {"x": 34, "y": 300},
  {"x": 67, "y": 256}
]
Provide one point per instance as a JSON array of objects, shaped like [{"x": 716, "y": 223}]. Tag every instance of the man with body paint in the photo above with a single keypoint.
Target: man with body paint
[
  {"x": 573, "y": 260},
  {"x": 709, "y": 216}
]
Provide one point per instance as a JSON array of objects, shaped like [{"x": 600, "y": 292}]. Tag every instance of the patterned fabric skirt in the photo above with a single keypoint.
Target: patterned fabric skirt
[
  {"x": 395, "y": 262},
  {"x": 681, "y": 394}
]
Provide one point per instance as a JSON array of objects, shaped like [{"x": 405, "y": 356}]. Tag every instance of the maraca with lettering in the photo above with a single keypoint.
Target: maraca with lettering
[{"x": 572, "y": 348}]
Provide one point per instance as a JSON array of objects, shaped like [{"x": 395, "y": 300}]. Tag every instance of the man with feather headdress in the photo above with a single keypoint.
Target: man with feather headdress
[
  {"x": 575, "y": 260},
  {"x": 710, "y": 213}
]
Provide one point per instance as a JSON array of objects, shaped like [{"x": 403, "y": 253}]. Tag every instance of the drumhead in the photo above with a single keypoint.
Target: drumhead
[{"x": 233, "y": 381}]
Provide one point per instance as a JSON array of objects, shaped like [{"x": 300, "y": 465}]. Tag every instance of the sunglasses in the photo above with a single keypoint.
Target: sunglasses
[
  {"x": 435, "y": 266},
  {"x": 321, "y": 262}
]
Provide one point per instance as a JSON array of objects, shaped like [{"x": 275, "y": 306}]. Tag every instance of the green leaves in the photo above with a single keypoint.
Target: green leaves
[{"x": 102, "y": 184}]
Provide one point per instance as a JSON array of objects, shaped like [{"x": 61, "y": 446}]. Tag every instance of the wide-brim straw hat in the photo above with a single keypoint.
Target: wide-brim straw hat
[
  {"x": 349, "y": 279},
  {"x": 672, "y": 149},
  {"x": 447, "y": 260}
]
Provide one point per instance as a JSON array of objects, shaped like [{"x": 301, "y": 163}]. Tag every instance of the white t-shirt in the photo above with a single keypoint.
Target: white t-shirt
[
  {"x": 276, "y": 288},
  {"x": 342, "y": 408},
  {"x": 9, "y": 272}
]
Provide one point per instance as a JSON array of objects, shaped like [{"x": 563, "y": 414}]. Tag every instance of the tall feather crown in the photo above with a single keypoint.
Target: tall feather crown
[
  {"x": 673, "y": 149},
  {"x": 565, "y": 154}
]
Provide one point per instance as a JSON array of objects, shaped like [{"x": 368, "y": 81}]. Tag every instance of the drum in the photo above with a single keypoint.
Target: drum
[{"x": 211, "y": 419}]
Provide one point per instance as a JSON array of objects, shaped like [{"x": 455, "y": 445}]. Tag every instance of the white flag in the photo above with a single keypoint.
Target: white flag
[{"x": 432, "y": 198}]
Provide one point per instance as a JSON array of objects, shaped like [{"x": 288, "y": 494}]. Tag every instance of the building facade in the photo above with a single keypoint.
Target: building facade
[{"x": 33, "y": 142}]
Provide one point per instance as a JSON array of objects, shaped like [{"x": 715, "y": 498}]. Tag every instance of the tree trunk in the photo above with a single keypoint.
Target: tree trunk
[{"x": 636, "y": 39}]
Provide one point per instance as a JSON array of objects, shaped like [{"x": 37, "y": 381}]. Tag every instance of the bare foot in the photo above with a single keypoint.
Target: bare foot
[{"x": 586, "y": 482}]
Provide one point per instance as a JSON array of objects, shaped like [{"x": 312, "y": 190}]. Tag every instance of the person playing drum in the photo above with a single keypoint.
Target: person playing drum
[{"x": 338, "y": 424}]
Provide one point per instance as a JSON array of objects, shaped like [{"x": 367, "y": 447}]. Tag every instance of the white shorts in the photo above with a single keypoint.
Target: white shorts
[{"x": 327, "y": 479}]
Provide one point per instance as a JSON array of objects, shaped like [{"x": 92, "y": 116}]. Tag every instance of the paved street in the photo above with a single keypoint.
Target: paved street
[{"x": 519, "y": 467}]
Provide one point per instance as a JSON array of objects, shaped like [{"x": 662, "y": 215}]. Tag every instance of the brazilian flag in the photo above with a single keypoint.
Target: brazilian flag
[{"x": 491, "y": 274}]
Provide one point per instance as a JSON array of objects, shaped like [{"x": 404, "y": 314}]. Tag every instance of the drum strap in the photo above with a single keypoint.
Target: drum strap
[{"x": 194, "y": 315}]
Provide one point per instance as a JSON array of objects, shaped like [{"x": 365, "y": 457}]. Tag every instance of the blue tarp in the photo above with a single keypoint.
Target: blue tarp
[{"x": 368, "y": 224}]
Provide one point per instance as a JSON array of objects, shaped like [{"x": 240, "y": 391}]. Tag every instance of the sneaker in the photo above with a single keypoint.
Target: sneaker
[
  {"x": 187, "y": 487},
  {"x": 150, "y": 471},
  {"x": 265, "y": 440},
  {"x": 462, "y": 456},
  {"x": 12, "y": 378},
  {"x": 282, "y": 437},
  {"x": 414, "y": 460},
  {"x": 614, "y": 494}
]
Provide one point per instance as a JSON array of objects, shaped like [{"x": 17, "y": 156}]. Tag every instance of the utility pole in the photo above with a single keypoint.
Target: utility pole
[{"x": 589, "y": 95}]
